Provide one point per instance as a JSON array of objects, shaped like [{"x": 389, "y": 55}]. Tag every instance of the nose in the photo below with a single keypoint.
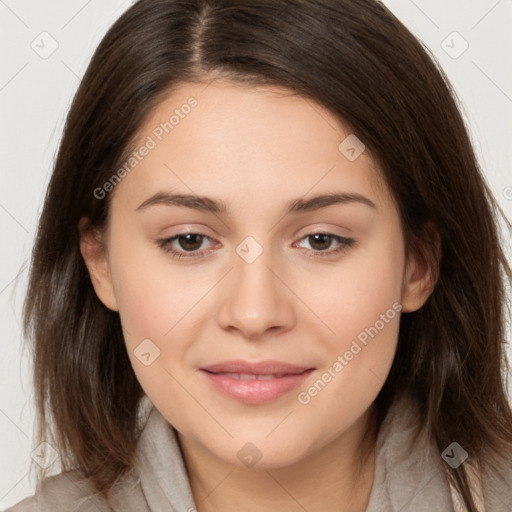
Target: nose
[{"x": 256, "y": 299}]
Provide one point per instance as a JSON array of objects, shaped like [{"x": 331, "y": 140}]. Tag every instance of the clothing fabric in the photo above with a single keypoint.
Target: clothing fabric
[{"x": 409, "y": 476}]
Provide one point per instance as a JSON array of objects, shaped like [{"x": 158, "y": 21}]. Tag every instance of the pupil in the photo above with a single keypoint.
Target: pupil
[{"x": 189, "y": 244}]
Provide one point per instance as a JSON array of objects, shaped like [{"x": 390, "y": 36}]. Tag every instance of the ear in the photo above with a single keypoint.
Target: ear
[
  {"x": 422, "y": 269},
  {"x": 93, "y": 251}
]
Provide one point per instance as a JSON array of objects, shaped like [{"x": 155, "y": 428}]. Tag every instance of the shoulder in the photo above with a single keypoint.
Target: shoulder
[
  {"x": 71, "y": 491},
  {"x": 68, "y": 491}
]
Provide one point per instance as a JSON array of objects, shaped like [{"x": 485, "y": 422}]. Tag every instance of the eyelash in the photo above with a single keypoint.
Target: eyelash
[{"x": 164, "y": 243}]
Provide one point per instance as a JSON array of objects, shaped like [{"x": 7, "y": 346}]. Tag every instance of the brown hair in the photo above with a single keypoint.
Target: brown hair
[{"x": 360, "y": 62}]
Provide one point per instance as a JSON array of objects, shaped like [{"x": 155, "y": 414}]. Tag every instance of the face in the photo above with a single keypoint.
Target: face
[{"x": 293, "y": 253}]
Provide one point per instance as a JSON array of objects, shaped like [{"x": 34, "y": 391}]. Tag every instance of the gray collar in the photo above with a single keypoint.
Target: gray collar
[{"x": 409, "y": 476}]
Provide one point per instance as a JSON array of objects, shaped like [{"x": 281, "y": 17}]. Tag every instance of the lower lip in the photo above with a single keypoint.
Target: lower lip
[{"x": 256, "y": 391}]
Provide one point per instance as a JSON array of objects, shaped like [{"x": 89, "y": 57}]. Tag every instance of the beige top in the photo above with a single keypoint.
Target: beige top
[{"x": 409, "y": 477}]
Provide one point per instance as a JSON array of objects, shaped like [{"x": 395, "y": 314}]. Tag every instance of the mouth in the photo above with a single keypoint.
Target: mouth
[
  {"x": 252, "y": 376},
  {"x": 268, "y": 367},
  {"x": 255, "y": 383}
]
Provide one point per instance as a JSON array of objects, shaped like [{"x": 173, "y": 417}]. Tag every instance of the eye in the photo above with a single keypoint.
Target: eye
[
  {"x": 187, "y": 242},
  {"x": 188, "y": 245},
  {"x": 322, "y": 241}
]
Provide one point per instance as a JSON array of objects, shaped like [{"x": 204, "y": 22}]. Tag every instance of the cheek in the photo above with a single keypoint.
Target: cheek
[
  {"x": 155, "y": 301},
  {"x": 361, "y": 305},
  {"x": 152, "y": 293},
  {"x": 160, "y": 306},
  {"x": 365, "y": 284}
]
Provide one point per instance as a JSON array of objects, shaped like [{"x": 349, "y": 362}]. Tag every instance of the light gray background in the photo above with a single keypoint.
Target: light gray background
[{"x": 35, "y": 94}]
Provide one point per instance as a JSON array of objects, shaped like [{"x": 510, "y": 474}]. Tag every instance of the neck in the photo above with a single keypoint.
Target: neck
[{"x": 339, "y": 476}]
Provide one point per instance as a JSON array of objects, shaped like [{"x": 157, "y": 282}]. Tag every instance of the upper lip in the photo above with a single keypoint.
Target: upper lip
[{"x": 257, "y": 368}]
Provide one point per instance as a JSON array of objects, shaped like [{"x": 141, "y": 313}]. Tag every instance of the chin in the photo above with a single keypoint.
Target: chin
[{"x": 261, "y": 453}]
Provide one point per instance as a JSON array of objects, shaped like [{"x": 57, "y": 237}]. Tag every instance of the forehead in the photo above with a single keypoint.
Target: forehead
[{"x": 222, "y": 138}]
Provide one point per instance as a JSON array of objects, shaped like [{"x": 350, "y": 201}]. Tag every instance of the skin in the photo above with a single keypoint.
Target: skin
[{"x": 257, "y": 149}]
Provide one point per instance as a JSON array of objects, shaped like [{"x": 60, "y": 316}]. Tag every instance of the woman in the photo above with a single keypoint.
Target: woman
[{"x": 334, "y": 337}]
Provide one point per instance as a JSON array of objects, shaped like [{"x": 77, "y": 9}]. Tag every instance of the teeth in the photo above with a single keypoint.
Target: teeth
[{"x": 250, "y": 376}]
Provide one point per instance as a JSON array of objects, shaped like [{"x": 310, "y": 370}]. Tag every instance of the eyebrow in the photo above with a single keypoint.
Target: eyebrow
[{"x": 207, "y": 204}]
